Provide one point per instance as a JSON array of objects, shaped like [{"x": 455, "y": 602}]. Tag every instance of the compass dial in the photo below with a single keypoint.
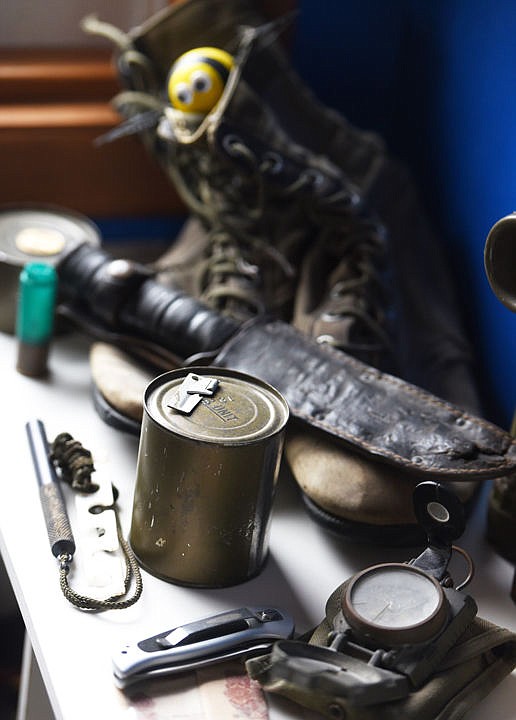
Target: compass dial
[{"x": 395, "y": 604}]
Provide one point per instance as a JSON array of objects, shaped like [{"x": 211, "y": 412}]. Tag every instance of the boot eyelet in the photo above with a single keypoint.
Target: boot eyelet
[
  {"x": 315, "y": 177},
  {"x": 353, "y": 199},
  {"x": 331, "y": 316},
  {"x": 232, "y": 144},
  {"x": 272, "y": 163},
  {"x": 326, "y": 339}
]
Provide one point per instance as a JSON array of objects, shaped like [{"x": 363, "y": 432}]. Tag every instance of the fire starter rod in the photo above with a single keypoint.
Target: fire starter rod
[{"x": 50, "y": 493}]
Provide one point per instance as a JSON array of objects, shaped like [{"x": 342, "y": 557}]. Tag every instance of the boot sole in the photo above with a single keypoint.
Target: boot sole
[{"x": 396, "y": 535}]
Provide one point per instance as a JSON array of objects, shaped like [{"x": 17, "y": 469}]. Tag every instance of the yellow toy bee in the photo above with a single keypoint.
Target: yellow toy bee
[{"x": 197, "y": 79}]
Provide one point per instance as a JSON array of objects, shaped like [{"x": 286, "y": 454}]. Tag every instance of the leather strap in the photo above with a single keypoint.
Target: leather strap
[{"x": 374, "y": 412}]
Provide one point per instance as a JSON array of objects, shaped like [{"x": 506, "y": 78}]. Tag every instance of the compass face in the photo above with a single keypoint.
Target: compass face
[{"x": 395, "y": 604}]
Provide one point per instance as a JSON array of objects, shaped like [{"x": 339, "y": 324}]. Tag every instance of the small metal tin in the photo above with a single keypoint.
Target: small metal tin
[
  {"x": 206, "y": 478},
  {"x": 35, "y": 234}
]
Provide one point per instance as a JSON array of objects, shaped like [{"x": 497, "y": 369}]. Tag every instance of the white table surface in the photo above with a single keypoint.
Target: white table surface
[{"x": 74, "y": 649}]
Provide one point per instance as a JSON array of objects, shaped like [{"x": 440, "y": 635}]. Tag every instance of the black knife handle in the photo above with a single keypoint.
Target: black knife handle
[{"x": 124, "y": 297}]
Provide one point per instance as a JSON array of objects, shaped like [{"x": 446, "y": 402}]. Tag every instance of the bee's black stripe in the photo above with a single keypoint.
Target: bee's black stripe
[{"x": 216, "y": 65}]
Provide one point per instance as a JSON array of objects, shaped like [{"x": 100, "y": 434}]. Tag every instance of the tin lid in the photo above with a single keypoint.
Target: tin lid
[
  {"x": 29, "y": 233},
  {"x": 241, "y": 410}
]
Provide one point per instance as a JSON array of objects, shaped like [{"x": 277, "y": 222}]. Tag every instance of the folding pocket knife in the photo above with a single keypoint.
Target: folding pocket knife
[{"x": 235, "y": 633}]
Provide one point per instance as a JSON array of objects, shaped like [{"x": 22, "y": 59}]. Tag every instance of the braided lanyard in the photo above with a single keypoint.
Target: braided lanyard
[{"x": 75, "y": 464}]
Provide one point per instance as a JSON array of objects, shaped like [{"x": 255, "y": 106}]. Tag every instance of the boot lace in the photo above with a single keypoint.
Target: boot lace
[
  {"x": 356, "y": 301},
  {"x": 134, "y": 68},
  {"x": 356, "y": 298},
  {"x": 241, "y": 212},
  {"x": 245, "y": 273}
]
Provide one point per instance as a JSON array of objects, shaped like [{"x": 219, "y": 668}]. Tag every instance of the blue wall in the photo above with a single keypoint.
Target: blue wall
[{"x": 437, "y": 78}]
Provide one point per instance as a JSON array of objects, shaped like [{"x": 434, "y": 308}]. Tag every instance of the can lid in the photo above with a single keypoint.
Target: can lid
[
  {"x": 40, "y": 232},
  {"x": 242, "y": 409}
]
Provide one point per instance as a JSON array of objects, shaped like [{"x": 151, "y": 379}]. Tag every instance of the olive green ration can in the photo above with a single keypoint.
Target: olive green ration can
[{"x": 208, "y": 463}]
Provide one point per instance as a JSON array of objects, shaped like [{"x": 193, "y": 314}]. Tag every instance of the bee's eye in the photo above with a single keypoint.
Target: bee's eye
[
  {"x": 183, "y": 93},
  {"x": 201, "y": 81}
]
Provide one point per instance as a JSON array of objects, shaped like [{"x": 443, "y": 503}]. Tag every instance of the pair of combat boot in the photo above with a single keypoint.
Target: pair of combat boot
[{"x": 298, "y": 215}]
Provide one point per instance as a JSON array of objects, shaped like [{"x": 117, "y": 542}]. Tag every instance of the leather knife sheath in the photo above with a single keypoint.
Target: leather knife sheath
[{"x": 374, "y": 412}]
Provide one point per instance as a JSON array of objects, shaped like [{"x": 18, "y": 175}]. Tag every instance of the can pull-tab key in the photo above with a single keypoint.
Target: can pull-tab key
[{"x": 191, "y": 391}]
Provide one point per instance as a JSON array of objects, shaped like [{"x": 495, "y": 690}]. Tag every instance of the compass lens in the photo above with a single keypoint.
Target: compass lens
[{"x": 394, "y": 597}]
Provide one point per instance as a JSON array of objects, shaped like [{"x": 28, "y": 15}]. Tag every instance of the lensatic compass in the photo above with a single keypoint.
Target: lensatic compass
[
  {"x": 391, "y": 624},
  {"x": 397, "y": 604}
]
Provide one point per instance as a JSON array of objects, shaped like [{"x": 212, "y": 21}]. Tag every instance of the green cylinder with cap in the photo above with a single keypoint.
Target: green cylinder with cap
[{"x": 35, "y": 317}]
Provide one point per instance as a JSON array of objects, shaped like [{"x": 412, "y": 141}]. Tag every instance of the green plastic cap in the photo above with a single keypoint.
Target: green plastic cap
[{"x": 36, "y": 303}]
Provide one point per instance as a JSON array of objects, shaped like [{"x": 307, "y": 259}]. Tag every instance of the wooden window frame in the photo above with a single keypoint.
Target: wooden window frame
[{"x": 53, "y": 104}]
